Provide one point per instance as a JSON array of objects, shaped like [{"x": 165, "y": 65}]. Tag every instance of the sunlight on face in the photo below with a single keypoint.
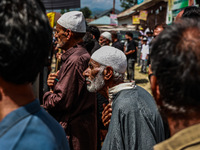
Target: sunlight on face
[{"x": 98, "y": 82}]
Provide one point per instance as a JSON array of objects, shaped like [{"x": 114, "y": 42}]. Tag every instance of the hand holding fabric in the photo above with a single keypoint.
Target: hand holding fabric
[{"x": 106, "y": 114}]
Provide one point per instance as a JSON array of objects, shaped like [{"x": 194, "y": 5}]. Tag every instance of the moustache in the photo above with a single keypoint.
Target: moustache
[{"x": 87, "y": 80}]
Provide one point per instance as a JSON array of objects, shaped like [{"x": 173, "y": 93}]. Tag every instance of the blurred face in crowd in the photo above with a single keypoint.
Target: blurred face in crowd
[
  {"x": 128, "y": 38},
  {"x": 94, "y": 76},
  {"x": 144, "y": 42},
  {"x": 157, "y": 31},
  {"x": 103, "y": 41}
]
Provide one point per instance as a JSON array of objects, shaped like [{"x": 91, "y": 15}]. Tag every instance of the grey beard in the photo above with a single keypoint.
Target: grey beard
[{"x": 98, "y": 82}]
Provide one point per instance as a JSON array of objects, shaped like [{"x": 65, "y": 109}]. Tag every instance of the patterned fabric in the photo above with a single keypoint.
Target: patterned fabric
[{"x": 135, "y": 123}]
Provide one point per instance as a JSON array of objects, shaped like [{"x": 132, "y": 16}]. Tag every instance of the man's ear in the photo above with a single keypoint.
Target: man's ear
[
  {"x": 68, "y": 33},
  {"x": 108, "y": 72},
  {"x": 155, "y": 90}
]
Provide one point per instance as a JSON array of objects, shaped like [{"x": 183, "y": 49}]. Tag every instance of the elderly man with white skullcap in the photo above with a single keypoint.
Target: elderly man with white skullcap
[
  {"x": 105, "y": 39},
  {"x": 69, "y": 102},
  {"x": 135, "y": 122}
]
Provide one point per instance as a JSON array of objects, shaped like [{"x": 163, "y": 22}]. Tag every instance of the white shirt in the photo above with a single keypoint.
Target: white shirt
[{"x": 145, "y": 51}]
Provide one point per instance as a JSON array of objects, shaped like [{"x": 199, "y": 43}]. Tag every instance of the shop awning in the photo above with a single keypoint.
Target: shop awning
[{"x": 142, "y": 6}]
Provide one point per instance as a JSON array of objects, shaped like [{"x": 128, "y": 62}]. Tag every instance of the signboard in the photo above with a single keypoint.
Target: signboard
[
  {"x": 136, "y": 19},
  {"x": 61, "y": 4},
  {"x": 139, "y": 1},
  {"x": 143, "y": 15},
  {"x": 175, "y": 6},
  {"x": 51, "y": 17},
  {"x": 113, "y": 19}
]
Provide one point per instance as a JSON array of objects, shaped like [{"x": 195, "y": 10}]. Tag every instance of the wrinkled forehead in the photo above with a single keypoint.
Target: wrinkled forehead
[
  {"x": 59, "y": 27},
  {"x": 102, "y": 37},
  {"x": 94, "y": 63}
]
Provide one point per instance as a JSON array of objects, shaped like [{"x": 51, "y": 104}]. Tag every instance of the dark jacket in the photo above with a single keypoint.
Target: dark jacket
[
  {"x": 71, "y": 104},
  {"x": 135, "y": 123},
  {"x": 118, "y": 45}
]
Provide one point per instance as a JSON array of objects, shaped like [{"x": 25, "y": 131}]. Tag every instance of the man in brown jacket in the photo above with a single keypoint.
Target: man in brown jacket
[{"x": 69, "y": 102}]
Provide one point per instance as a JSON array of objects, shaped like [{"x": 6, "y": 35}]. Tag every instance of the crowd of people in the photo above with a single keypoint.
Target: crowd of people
[{"x": 88, "y": 104}]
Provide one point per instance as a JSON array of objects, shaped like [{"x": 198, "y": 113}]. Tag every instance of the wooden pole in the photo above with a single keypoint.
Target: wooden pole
[{"x": 113, "y": 12}]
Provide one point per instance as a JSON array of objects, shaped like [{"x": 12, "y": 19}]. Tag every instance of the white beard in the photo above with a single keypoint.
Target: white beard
[{"x": 97, "y": 83}]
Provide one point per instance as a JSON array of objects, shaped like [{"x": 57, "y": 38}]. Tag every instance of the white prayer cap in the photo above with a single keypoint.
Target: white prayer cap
[
  {"x": 74, "y": 21},
  {"x": 110, "y": 56},
  {"x": 107, "y": 35}
]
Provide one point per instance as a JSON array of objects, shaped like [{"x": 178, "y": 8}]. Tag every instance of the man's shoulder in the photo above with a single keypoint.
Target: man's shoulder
[
  {"x": 187, "y": 138},
  {"x": 136, "y": 98},
  {"x": 80, "y": 54},
  {"x": 35, "y": 130},
  {"x": 80, "y": 57},
  {"x": 125, "y": 100},
  {"x": 49, "y": 129}
]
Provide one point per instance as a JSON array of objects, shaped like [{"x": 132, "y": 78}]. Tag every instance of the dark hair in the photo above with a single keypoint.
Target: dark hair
[
  {"x": 94, "y": 30},
  {"x": 88, "y": 42},
  {"x": 77, "y": 35},
  {"x": 191, "y": 12},
  {"x": 114, "y": 34},
  {"x": 162, "y": 25},
  {"x": 176, "y": 64},
  {"x": 25, "y": 40},
  {"x": 129, "y": 34}
]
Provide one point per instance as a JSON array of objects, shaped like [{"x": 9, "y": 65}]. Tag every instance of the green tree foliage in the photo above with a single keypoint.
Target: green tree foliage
[
  {"x": 86, "y": 12},
  {"x": 126, "y": 4},
  {"x": 62, "y": 11}
]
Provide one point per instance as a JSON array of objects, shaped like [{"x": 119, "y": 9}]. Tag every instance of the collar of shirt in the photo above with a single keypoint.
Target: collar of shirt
[
  {"x": 15, "y": 116},
  {"x": 123, "y": 86},
  {"x": 187, "y": 137},
  {"x": 70, "y": 51}
]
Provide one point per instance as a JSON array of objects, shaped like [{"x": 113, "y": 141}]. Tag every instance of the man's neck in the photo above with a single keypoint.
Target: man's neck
[
  {"x": 14, "y": 96},
  {"x": 176, "y": 125},
  {"x": 105, "y": 91},
  {"x": 73, "y": 43},
  {"x": 115, "y": 40}
]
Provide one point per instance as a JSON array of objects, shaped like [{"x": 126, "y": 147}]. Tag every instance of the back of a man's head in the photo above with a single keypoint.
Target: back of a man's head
[
  {"x": 114, "y": 35},
  {"x": 176, "y": 65},
  {"x": 191, "y": 12},
  {"x": 25, "y": 39},
  {"x": 94, "y": 31},
  {"x": 129, "y": 34}
]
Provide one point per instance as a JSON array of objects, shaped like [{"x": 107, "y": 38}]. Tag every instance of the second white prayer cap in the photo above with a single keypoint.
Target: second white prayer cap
[
  {"x": 110, "y": 56},
  {"x": 107, "y": 35}
]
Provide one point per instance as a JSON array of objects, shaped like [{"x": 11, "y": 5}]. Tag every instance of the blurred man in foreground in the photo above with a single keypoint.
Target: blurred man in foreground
[
  {"x": 176, "y": 68},
  {"x": 25, "y": 40}
]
